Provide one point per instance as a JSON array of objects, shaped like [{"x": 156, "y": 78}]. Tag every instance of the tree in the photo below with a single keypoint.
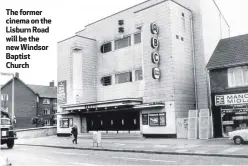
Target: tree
[{"x": 37, "y": 121}]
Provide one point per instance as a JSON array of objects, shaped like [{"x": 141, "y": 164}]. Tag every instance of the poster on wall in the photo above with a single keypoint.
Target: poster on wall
[{"x": 61, "y": 94}]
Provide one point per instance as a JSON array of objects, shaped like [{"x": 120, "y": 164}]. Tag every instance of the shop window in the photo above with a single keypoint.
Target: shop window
[
  {"x": 46, "y": 112},
  {"x": 4, "y": 97},
  {"x": 238, "y": 76},
  {"x": 106, "y": 81},
  {"x": 137, "y": 38},
  {"x": 107, "y": 47},
  {"x": 46, "y": 101},
  {"x": 122, "y": 43},
  {"x": 157, "y": 119},
  {"x": 123, "y": 77},
  {"x": 66, "y": 122},
  {"x": 138, "y": 75},
  {"x": 144, "y": 119}
]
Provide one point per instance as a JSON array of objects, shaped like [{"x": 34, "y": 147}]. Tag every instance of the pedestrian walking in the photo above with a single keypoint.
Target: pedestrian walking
[{"x": 74, "y": 132}]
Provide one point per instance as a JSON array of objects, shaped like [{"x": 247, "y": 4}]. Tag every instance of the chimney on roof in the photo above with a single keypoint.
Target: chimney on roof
[
  {"x": 51, "y": 83},
  {"x": 17, "y": 75}
]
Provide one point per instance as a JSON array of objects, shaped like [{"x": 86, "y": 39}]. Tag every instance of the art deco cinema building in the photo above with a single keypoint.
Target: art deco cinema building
[{"x": 140, "y": 69}]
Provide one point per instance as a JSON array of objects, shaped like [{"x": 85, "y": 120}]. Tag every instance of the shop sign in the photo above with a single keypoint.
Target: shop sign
[
  {"x": 240, "y": 117},
  {"x": 61, "y": 94},
  {"x": 156, "y": 73},
  {"x": 228, "y": 122},
  {"x": 231, "y": 99},
  {"x": 155, "y": 103},
  {"x": 155, "y": 57},
  {"x": 90, "y": 106},
  {"x": 154, "y": 28}
]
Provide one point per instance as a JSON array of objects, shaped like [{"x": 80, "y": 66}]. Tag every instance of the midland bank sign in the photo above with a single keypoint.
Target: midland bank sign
[{"x": 231, "y": 99}]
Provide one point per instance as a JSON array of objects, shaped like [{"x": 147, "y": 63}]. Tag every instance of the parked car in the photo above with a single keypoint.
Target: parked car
[
  {"x": 239, "y": 136},
  {"x": 4, "y": 161}
]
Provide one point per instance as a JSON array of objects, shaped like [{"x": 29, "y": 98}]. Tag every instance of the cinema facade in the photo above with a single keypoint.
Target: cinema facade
[{"x": 138, "y": 70}]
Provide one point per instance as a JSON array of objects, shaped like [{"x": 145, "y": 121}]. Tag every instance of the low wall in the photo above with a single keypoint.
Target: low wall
[{"x": 36, "y": 132}]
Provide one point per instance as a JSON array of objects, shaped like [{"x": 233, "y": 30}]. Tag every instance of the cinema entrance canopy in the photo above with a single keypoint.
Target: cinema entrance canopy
[{"x": 126, "y": 104}]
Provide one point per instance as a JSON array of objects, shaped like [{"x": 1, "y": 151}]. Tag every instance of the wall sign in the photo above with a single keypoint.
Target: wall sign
[
  {"x": 156, "y": 73},
  {"x": 231, "y": 99},
  {"x": 61, "y": 93},
  {"x": 155, "y": 57},
  {"x": 154, "y": 28},
  {"x": 154, "y": 42}
]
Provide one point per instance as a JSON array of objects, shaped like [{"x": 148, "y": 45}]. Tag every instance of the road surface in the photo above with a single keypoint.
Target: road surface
[{"x": 29, "y": 155}]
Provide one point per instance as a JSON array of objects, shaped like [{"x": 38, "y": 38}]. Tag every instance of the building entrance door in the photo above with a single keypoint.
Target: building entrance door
[{"x": 114, "y": 121}]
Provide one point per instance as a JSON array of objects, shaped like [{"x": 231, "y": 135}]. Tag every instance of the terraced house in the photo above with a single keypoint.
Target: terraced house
[
  {"x": 140, "y": 69},
  {"x": 30, "y": 101}
]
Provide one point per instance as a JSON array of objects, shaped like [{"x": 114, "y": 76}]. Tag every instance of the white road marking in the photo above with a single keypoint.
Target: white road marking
[
  {"x": 81, "y": 154},
  {"x": 86, "y": 164},
  {"x": 128, "y": 158},
  {"x": 232, "y": 150},
  {"x": 119, "y": 144},
  {"x": 161, "y": 146}
]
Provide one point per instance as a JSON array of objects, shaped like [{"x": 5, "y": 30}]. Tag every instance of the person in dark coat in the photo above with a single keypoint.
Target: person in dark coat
[{"x": 74, "y": 132}]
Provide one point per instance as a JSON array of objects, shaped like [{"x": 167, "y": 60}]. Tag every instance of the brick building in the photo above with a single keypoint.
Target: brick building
[
  {"x": 30, "y": 101},
  {"x": 139, "y": 69},
  {"x": 228, "y": 70}
]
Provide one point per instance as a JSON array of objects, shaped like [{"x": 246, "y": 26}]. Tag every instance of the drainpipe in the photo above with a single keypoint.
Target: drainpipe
[
  {"x": 194, "y": 64},
  {"x": 210, "y": 102}
]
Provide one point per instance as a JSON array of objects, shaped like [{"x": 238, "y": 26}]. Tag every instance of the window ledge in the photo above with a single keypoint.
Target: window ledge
[{"x": 237, "y": 87}]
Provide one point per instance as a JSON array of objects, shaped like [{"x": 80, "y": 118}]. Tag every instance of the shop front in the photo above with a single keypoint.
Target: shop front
[{"x": 233, "y": 110}]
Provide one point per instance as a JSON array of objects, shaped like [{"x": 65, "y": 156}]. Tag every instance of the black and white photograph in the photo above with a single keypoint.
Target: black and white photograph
[{"x": 136, "y": 82}]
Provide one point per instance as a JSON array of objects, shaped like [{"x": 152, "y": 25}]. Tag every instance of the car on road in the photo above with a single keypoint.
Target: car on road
[
  {"x": 8, "y": 135},
  {"x": 4, "y": 161},
  {"x": 239, "y": 136}
]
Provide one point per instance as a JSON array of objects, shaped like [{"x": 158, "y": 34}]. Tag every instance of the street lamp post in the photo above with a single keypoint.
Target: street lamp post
[{"x": 13, "y": 92}]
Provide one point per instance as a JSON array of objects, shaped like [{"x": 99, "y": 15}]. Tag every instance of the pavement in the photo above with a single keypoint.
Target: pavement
[{"x": 222, "y": 147}]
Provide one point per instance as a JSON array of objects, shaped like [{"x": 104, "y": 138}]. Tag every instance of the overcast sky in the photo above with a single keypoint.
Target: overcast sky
[{"x": 70, "y": 16}]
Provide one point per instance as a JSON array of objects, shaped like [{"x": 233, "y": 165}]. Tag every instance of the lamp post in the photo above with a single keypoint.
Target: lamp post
[{"x": 13, "y": 92}]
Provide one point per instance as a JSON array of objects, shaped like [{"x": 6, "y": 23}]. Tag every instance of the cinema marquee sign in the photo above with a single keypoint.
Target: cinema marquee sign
[
  {"x": 231, "y": 99},
  {"x": 155, "y": 57}
]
